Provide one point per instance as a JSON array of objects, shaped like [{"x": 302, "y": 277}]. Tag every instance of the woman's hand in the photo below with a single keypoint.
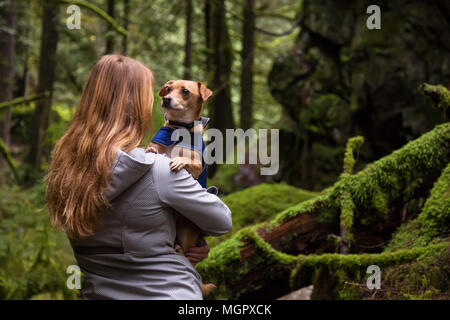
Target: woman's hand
[{"x": 199, "y": 253}]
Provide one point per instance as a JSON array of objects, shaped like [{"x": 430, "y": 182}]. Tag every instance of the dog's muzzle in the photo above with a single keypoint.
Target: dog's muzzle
[{"x": 167, "y": 103}]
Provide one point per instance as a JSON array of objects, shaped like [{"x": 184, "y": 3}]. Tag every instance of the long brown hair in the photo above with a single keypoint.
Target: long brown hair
[{"x": 114, "y": 112}]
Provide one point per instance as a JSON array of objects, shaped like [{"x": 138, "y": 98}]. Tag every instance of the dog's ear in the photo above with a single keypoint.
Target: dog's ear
[
  {"x": 163, "y": 90},
  {"x": 205, "y": 93}
]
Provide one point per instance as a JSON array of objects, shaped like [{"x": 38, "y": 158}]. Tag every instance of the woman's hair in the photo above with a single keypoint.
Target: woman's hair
[{"x": 115, "y": 112}]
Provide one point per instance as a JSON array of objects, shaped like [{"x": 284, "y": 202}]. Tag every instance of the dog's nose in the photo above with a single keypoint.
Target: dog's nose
[{"x": 166, "y": 101}]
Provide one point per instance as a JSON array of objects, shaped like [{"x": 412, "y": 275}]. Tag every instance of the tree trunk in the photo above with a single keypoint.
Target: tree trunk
[
  {"x": 221, "y": 111},
  {"x": 207, "y": 15},
  {"x": 110, "y": 38},
  {"x": 188, "y": 43},
  {"x": 126, "y": 11},
  {"x": 7, "y": 56},
  {"x": 47, "y": 63},
  {"x": 247, "y": 57},
  {"x": 22, "y": 77}
]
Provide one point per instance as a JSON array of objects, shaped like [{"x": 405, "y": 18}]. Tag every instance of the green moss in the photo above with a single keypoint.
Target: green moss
[
  {"x": 260, "y": 203},
  {"x": 407, "y": 236},
  {"x": 352, "y": 267},
  {"x": 426, "y": 278},
  {"x": 267, "y": 249},
  {"x": 320, "y": 202},
  {"x": 379, "y": 201},
  {"x": 432, "y": 222},
  {"x": 439, "y": 94},
  {"x": 434, "y": 219},
  {"x": 353, "y": 145},
  {"x": 347, "y": 211},
  {"x": 379, "y": 185}
]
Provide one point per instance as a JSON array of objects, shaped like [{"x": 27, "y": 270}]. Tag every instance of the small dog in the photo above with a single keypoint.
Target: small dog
[{"x": 183, "y": 102}]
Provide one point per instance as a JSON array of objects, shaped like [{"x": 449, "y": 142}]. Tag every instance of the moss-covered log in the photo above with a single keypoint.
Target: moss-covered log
[
  {"x": 23, "y": 100},
  {"x": 258, "y": 260},
  {"x": 330, "y": 272},
  {"x": 260, "y": 203}
]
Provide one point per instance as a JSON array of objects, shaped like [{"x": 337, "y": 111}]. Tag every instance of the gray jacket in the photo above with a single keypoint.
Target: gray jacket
[{"x": 131, "y": 255}]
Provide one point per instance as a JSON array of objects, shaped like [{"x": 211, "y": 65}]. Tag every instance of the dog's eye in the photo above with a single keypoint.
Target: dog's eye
[
  {"x": 185, "y": 91},
  {"x": 169, "y": 89}
]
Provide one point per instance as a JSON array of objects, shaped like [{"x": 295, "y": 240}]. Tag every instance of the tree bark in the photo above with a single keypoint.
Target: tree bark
[
  {"x": 47, "y": 63},
  {"x": 7, "y": 57},
  {"x": 221, "y": 111},
  {"x": 22, "y": 77},
  {"x": 188, "y": 42},
  {"x": 110, "y": 38},
  {"x": 207, "y": 15},
  {"x": 247, "y": 58}
]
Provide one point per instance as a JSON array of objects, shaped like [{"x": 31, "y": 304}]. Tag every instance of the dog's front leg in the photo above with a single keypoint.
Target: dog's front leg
[{"x": 186, "y": 159}]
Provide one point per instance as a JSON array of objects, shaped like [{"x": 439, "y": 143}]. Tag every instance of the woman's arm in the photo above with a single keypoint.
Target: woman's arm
[{"x": 181, "y": 192}]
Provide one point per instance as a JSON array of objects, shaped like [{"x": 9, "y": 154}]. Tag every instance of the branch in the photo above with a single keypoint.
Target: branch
[
  {"x": 353, "y": 145},
  {"x": 24, "y": 100},
  {"x": 346, "y": 221},
  {"x": 5, "y": 152},
  {"x": 99, "y": 12},
  {"x": 269, "y": 33},
  {"x": 440, "y": 96}
]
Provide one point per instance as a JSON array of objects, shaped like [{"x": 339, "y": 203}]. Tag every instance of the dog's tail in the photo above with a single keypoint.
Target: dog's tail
[{"x": 207, "y": 288}]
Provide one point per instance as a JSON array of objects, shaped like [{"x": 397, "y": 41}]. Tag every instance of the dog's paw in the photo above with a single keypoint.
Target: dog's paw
[
  {"x": 178, "y": 249},
  {"x": 207, "y": 288},
  {"x": 177, "y": 163},
  {"x": 151, "y": 149}
]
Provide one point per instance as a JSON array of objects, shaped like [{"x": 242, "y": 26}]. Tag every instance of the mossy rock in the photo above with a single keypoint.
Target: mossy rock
[{"x": 368, "y": 79}]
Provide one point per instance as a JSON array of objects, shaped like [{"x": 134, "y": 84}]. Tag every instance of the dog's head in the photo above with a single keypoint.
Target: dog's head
[{"x": 183, "y": 99}]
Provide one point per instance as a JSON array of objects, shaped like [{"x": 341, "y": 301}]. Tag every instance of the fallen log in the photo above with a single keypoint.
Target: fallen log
[{"x": 263, "y": 261}]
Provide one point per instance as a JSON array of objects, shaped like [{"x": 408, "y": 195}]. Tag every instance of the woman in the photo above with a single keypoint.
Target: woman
[{"x": 117, "y": 203}]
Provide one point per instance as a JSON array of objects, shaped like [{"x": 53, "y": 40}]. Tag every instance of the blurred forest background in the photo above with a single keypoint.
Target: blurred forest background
[{"x": 364, "y": 152}]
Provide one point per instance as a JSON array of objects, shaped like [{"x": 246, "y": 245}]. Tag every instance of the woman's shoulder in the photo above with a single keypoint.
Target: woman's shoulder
[
  {"x": 129, "y": 167},
  {"x": 138, "y": 156}
]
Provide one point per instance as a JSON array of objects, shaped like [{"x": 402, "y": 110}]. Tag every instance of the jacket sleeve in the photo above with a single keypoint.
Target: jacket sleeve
[{"x": 181, "y": 192}]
